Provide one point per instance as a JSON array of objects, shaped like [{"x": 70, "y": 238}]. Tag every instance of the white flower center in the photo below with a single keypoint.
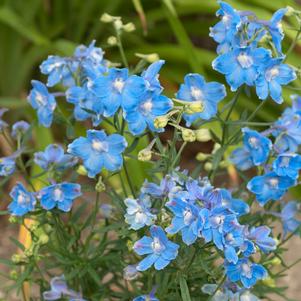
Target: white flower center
[
  {"x": 157, "y": 245},
  {"x": 58, "y": 194},
  {"x": 285, "y": 161},
  {"x": 23, "y": 199},
  {"x": 188, "y": 216},
  {"x": 196, "y": 93},
  {"x": 218, "y": 220},
  {"x": 140, "y": 217},
  {"x": 118, "y": 84},
  {"x": 40, "y": 99},
  {"x": 246, "y": 269},
  {"x": 146, "y": 107},
  {"x": 230, "y": 237},
  {"x": 272, "y": 73},
  {"x": 253, "y": 141},
  {"x": 274, "y": 182},
  {"x": 100, "y": 146},
  {"x": 245, "y": 60}
]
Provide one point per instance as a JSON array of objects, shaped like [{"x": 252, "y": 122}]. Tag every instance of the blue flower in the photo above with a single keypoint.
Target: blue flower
[
  {"x": 224, "y": 31},
  {"x": 109, "y": 89},
  {"x": 130, "y": 272},
  {"x": 59, "y": 195},
  {"x": 151, "y": 76},
  {"x": 19, "y": 128},
  {"x": 42, "y": 101},
  {"x": 245, "y": 271},
  {"x": 272, "y": 76},
  {"x": 196, "y": 89},
  {"x": 59, "y": 70},
  {"x": 258, "y": 145},
  {"x": 288, "y": 217},
  {"x": 166, "y": 186},
  {"x": 3, "y": 124},
  {"x": 149, "y": 297},
  {"x": 186, "y": 219},
  {"x": 141, "y": 105},
  {"x": 23, "y": 201},
  {"x": 260, "y": 237},
  {"x": 241, "y": 158},
  {"x": 287, "y": 164},
  {"x": 138, "y": 212},
  {"x": 99, "y": 151},
  {"x": 85, "y": 101},
  {"x": 269, "y": 187},
  {"x": 240, "y": 65},
  {"x": 54, "y": 157},
  {"x": 159, "y": 250},
  {"x": 7, "y": 166}
]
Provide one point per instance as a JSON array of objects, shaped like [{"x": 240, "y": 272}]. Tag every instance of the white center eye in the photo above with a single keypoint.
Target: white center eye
[
  {"x": 140, "y": 217},
  {"x": 274, "y": 182},
  {"x": 157, "y": 246},
  {"x": 196, "y": 93},
  {"x": 285, "y": 161},
  {"x": 118, "y": 84},
  {"x": 40, "y": 99},
  {"x": 58, "y": 194},
  {"x": 100, "y": 146},
  {"x": 245, "y": 60},
  {"x": 188, "y": 216},
  {"x": 146, "y": 107},
  {"x": 271, "y": 73},
  {"x": 253, "y": 141},
  {"x": 230, "y": 237},
  {"x": 246, "y": 270}
]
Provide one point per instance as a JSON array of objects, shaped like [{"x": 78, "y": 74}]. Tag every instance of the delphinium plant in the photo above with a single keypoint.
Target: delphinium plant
[{"x": 183, "y": 235}]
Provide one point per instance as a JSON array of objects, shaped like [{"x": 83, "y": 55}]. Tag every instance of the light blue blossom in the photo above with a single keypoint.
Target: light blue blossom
[
  {"x": 150, "y": 297},
  {"x": 260, "y": 236},
  {"x": 42, "y": 101},
  {"x": 151, "y": 76},
  {"x": 130, "y": 272},
  {"x": 23, "y": 200},
  {"x": 141, "y": 105},
  {"x": 287, "y": 164},
  {"x": 269, "y": 187},
  {"x": 240, "y": 65},
  {"x": 245, "y": 271},
  {"x": 3, "y": 124},
  {"x": 159, "y": 250},
  {"x": 258, "y": 145},
  {"x": 288, "y": 217},
  {"x": 54, "y": 157},
  {"x": 195, "y": 89},
  {"x": 273, "y": 75},
  {"x": 241, "y": 158},
  {"x": 19, "y": 128},
  {"x": 59, "y": 195},
  {"x": 138, "y": 212},
  {"x": 99, "y": 151},
  {"x": 7, "y": 166}
]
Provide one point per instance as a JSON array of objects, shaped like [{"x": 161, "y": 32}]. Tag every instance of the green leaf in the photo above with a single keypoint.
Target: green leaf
[{"x": 184, "y": 289}]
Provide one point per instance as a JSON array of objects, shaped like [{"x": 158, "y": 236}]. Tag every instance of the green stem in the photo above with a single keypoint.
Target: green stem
[
  {"x": 121, "y": 50},
  {"x": 128, "y": 178}
]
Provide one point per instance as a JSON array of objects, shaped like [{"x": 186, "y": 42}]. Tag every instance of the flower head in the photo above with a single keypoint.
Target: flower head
[
  {"x": 99, "y": 151},
  {"x": 159, "y": 250},
  {"x": 151, "y": 76},
  {"x": 261, "y": 237},
  {"x": 42, "y": 101},
  {"x": 7, "y": 166},
  {"x": 23, "y": 200},
  {"x": 241, "y": 158},
  {"x": 287, "y": 164},
  {"x": 19, "y": 128},
  {"x": 288, "y": 217}
]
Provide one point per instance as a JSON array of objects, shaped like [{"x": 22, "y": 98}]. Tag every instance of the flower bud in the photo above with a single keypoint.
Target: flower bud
[
  {"x": 100, "y": 186},
  {"x": 47, "y": 228},
  {"x": 276, "y": 261},
  {"x": 202, "y": 157},
  {"x": 145, "y": 155},
  {"x": 208, "y": 166},
  {"x": 290, "y": 11},
  {"x": 129, "y": 27},
  {"x": 82, "y": 170},
  {"x": 223, "y": 164},
  {"x": 188, "y": 135},
  {"x": 195, "y": 107},
  {"x": 269, "y": 282},
  {"x": 216, "y": 147},
  {"x": 28, "y": 252},
  {"x": 118, "y": 24},
  {"x": 33, "y": 226},
  {"x": 14, "y": 275},
  {"x": 203, "y": 135},
  {"x": 112, "y": 41},
  {"x": 16, "y": 258},
  {"x": 106, "y": 18},
  {"x": 150, "y": 58},
  {"x": 13, "y": 219},
  {"x": 130, "y": 272},
  {"x": 130, "y": 245},
  {"x": 161, "y": 122},
  {"x": 43, "y": 239}
]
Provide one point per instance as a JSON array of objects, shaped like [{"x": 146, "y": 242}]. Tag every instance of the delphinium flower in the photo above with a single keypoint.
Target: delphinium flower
[
  {"x": 99, "y": 151},
  {"x": 195, "y": 89},
  {"x": 241, "y": 65},
  {"x": 269, "y": 187},
  {"x": 159, "y": 250},
  {"x": 241, "y": 158},
  {"x": 130, "y": 272},
  {"x": 288, "y": 217},
  {"x": 245, "y": 271},
  {"x": 23, "y": 201},
  {"x": 54, "y": 157},
  {"x": 186, "y": 220},
  {"x": 19, "y": 128},
  {"x": 7, "y": 166},
  {"x": 42, "y": 101},
  {"x": 59, "y": 289},
  {"x": 149, "y": 297},
  {"x": 258, "y": 146},
  {"x": 273, "y": 75},
  {"x": 287, "y": 164},
  {"x": 138, "y": 212},
  {"x": 59, "y": 195},
  {"x": 151, "y": 76},
  {"x": 3, "y": 124},
  {"x": 142, "y": 105}
]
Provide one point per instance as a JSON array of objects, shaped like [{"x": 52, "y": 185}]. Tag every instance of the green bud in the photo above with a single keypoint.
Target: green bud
[
  {"x": 203, "y": 135},
  {"x": 195, "y": 107},
  {"x": 82, "y": 170},
  {"x": 208, "y": 166},
  {"x": 161, "y": 122},
  {"x": 106, "y": 18},
  {"x": 276, "y": 261},
  {"x": 16, "y": 258},
  {"x": 100, "y": 186},
  {"x": 13, "y": 219},
  {"x": 129, "y": 27},
  {"x": 290, "y": 11},
  {"x": 130, "y": 245},
  {"x": 13, "y": 275},
  {"x": 28, "y": 252},
  {"x": 224, "y": 164},
  {"x": 118, "y": 24},
  {"x": 268, "y": 281},
  {"x": 188, "y": 135},
  {"x": 202, "y": 157},
  {"x": 216, "y": 147},
  {"x": 47, "y": 228},
  {"x": 150, "y": 58},
  {"x": 145, "y": 155},
  {"x": 33, "y": 226},
  {"x": 112, "y": 41},
  {"x": 43, "y": 239}
]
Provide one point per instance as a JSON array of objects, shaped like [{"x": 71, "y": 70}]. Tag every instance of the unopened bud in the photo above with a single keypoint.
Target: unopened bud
[
  {"x": 13, "y": 219},
  {"x": 208, "y": 166},
  {"x": 16, "y": 258},
  {"x": 106, "y": 18},
  {"x": 130, "y": 245},
  {"x": 81, "y": 170},
  {"x": 290, "y": 11},
  {"x": 202, "y": 157},
  {"x": 203, "y": 135},
  {"x": 216, "y": 147},
  {"x": 188, "y": 135},
  {"x": 129, "y": 27},
  {"x": 112, "y": 41},
  {"x": 145, "y": 155},
  {"x": 100, "y": 186},
  {"x": 161, "y": 122},
  {"x": 224, "y": 164},
  {"x": 150, "y": 58},
  {"x": 43, "y": 239},
  {"x": 33, "y": 226},
  {"x": 269, "y": 282},
  {"x": 14, "y": 275},
  {"x": 118, "y": 24},
  {"x": 47, "y": 228},
  {"x": 130, "y": 272},
  {"x": 276, "y": 261},
  {"x": 195, "y": 107},
  {"x": 28, "y": 252}
]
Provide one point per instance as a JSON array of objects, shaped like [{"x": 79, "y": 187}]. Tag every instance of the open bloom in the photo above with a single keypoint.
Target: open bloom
[
  {"x": 42, "y": 101},
  {"x": 151, "y": 76},
  {"x": 7, "y": 166},
  {"x": 54, "y": 156},
  {"x": 19, "y": 128},
  {"x": 99, "y": 151},
  {"x": 138, "y": 212},
  {"x": 241, "y": 158},
  {"x": 288, "y": 217},
  {"x": 195, "y": 89},
  {"x": 270, "y": 187},
  {"x": 59, "y": 195},
  {"x": 260, "y": 236},
  {"x": 287, "y": 164},
  {"x": 23, "y": 200},
  {"x": 159, "y": 250}
]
